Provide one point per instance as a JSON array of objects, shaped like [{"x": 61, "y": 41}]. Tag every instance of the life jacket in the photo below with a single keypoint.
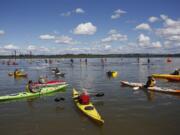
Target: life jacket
[
  {"x": 152, "y": 83},
  {"x": 84, "y": 99},
  {"x": 27, "y": 88}
]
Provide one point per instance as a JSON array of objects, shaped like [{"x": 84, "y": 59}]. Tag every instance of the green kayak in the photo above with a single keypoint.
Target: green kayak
[{"x": 41, "y": 91}]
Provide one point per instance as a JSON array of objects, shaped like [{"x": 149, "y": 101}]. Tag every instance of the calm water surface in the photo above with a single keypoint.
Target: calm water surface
[{"x": 125, "y": 111}]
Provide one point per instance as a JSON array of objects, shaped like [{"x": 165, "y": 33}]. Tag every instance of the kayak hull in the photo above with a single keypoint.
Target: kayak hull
[
  {"x": 18, "y": 75},
  {"x": 41, "y": 91},
  {"x": 49, "y": 83},
  {"x": 92, "y": 113},
  {"x": 167, "y": 76},
  {"x": 156, "y": 89}
]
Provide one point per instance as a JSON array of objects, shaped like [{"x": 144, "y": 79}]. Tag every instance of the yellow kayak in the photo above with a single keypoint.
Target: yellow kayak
[
  {"x": 114, "y": 73},
  {"x": 167, "y": 76},
  {"x": 20, "y": 74},
  {"x": 88, "y": 109}
]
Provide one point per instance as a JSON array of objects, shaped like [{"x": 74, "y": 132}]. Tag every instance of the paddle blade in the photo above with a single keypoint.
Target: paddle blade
[
  {"x": 99, "y": 94},
  {"x": 135, "y": 88}
]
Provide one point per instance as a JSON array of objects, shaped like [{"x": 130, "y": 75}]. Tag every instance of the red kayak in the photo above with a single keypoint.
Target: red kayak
[{"x": 49, "y": 83}]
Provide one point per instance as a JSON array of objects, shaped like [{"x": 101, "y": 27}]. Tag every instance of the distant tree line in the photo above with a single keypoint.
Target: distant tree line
[{"x": 24, "y": 56}]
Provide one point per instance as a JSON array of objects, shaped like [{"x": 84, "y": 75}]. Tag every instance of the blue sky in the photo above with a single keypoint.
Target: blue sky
[{"x": 89, "y": 26}]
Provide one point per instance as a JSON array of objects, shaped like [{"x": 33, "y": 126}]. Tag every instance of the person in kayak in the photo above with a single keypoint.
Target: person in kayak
[
  {"x": 109, "y": 73},
  {"x": 42, "y": 80},
  {"x": 16, "y": 72},
  {"x": 176, "y": 72},
  {"x": 56, "y": 70},
  {"x": 29, "y": 87},
  {"x": 84, "y": 98},
  {"x": 151, "y": 82}
]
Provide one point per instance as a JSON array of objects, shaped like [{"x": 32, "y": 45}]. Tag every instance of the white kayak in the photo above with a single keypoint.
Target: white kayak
[{"x": 157, "y": 89}]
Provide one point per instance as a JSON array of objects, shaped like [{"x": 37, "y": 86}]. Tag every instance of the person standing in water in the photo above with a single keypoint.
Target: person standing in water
[
  {"x": 72, "y": 61},
  {"x": 86, "y": 61}
]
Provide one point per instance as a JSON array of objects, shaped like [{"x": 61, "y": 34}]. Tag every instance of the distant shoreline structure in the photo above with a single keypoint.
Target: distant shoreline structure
[{"x": 89, "y": 56}]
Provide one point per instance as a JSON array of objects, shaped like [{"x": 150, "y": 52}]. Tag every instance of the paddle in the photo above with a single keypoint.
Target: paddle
[
  {"x": 136, "y": 88},
  {"x": 99, "y": 94},
  {"x": 59, "y": 99}
]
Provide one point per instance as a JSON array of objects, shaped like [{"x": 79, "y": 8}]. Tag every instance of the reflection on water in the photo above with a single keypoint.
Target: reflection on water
[{"x": 122, "y": 108}]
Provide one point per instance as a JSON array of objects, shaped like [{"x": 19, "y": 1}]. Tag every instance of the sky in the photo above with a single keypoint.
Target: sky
[{"x": 89, "y": 26}]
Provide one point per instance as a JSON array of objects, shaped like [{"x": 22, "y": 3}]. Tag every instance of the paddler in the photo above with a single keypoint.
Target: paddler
[
  {"x": 84, "y": 98},
  {"x": 16, "y": 72},
  {"x": 151, "y": 82},
  {"x": 176, "y": 72},
  {"x": 29, "y": 87},
  {"x": 56, "y": 70},
  {"x": 42, "y": 80}
]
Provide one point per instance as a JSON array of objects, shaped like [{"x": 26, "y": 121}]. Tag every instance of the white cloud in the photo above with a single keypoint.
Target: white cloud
[
  {"x": 117, "y": 14},
  {"x": 2, "y": 32},
  {"x": 143, "y": 26},
  {"x": 47, "y": 37},
  {"x": 79, "y": 11},
  {"x": 156, "y": 44},
  {"x": 76, "y": 11},
  {"x": 153, "y": 19},
  {"x": 112, "y": 31},
  {"x": 164, "y": 17},
  {"x": 66, "y": 14},
  {"x": 143, "y": 40},
  {"x": 11, "y": 47},
  {"x": 85, "y": 29},
  {"x": 31, "y": 48},
  {"x": 171, "y": 29},
  {"x": 40, "y": 49},
  {"x": 107, "y": 47},
  {"x": 64, "y": 40},
  {"x": 114, "y": 36}
]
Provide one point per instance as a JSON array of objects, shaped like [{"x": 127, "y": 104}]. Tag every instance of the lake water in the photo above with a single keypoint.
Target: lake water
[{"x": 124, "y": 110}]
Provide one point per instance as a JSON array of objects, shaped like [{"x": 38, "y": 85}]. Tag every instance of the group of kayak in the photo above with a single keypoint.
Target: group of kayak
[
  {"x": 82, "y": 99},
  {"x": 44, "y": 86},
  {"x": 151, "y": 83}
]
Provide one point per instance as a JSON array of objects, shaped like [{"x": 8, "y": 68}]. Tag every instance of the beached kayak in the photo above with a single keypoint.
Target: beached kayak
[
  {"x": 88, "y": 109},
  {"x": 41, "y": 91},
  {"x": 156, "y": 89},
  {"x": 167, "y": 76},
  {"x": 18, "y": 75},
  {"x": 49, "y": 83}
]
